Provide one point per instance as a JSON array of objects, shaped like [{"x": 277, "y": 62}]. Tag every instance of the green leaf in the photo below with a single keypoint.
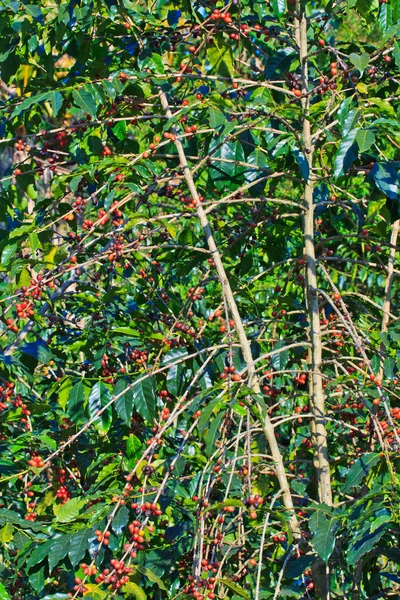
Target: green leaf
[
  {"x": 362, "y": 546},
  {"x": 133, "y": 446},
  {"x": 360, "y": 61},
  {"x": 59, "y": 550},
  {"x": 385, "y": 18},
  {"x": 99, "y": 397},
  {"x": 213, "y": 433},
  {"x": 302, "y": 162},
  {"x": 279, "y": 62},
  {"x": 3, "y": 592},
  {"x": 85, "y": 101},
  {"x": 323, "y": 530},
  {"x": 69, "y": 511},
  {"x": 175, "y": 379},
  {"x": 56, "y": 102},
  {"x": 78, "y": 545},
  {"x": 8, "y": 254},
  {"x": 389, "y": 366},
  {"x": 280, "y": 360},
  {"x": 31, "y": 101},
  {"x": 124, "y": 404},
  {"x": 359, "y": 470},
  {"x": 94, "y": 592},
  {"x": 64, "y": 392},
  {"x": 386, "y": 178},
  {"x": 346, "y": 154},
  {"x": 120, "y": 520},
  {"x": 151, "y": 577},
  {"x": 257, "y": 159},
  {"x": 279, "y": 7},
  {"x": 39, "y": 553},
  {"x": 6, "y": 533},
  {"x": 230, "y": 154},
  {"x": 216, "y": 118},
  {"x": 76, "y": 402},
  {"x": 144, "y": 400},
  {"x": 364, "y": 139},
  {"x": 396, "y": 54},
  {"x": 36, "y": 578},
  {"x": 231, "y": 502},
  {"x": 132, "y": 589},
  {"x": 234, "y": 587},
  {"x": 220, "y": 57}
]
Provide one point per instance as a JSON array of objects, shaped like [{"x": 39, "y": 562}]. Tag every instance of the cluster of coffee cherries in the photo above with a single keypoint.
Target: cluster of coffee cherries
[
  {"x": 117, "y": 214},
  {"x": 139, "y": 356},
  {"x": 301, "y": 378},
  {"x": 253, "y": 502},
  {"x": 325, "y": 84},
  {"x": 116, "y": 247},
  {"x": 20, "y": 145},
  {"x": 106, "y": 151},
  {"x": 200, "y": 588},
  {"x": 102, "y": 537},
  {"x": 148, "y": 508},
  {"x": 89, "y": 570},
  {"x": 189, "y": 201},
  {"x": 185, "y": 328},
  {"x": 11, "y": 326},
  {"x": 63, "y": 493},
  {"x": 6, "y": 392},
  {"x": 116, "y": 576},
  {"x": 195, "y": 293},
  {"x": 217, "y": 15},
  {"x": 165, "y": 411},
  {"x": 102, "y": 217},
  {"x": 36, "y": 461},
  {"x": 294, "y": 80},
  {"x": 230, "y": 373},
  {"x": 25, "y": 412},
  {"x": 107, "y": 371},
  {"x": 25, "y": 310}
]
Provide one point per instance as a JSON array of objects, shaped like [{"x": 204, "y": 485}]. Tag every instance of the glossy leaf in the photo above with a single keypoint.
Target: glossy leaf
[
  {"x": 346, "y": 154},
  {"x": 124, "y": 404},
  {"x": 323, "y": 530},
  {"x": 99, "y": 397},
  {"x": 144, "y": 401},
  {"x": 360, "y": 469}
]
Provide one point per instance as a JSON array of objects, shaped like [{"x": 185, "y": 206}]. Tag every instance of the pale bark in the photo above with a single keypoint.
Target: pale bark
[{"x": 243, "y": 340}]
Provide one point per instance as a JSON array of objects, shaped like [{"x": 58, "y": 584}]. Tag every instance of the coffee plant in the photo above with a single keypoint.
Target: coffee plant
[{"x": 199, "y": 360}]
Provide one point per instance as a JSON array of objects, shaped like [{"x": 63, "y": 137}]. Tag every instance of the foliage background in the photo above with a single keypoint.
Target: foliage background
[{"x": 124, "y": 376}]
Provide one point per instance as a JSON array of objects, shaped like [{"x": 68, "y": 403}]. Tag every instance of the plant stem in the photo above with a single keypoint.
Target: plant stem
[{"x": 243, "y": 340}]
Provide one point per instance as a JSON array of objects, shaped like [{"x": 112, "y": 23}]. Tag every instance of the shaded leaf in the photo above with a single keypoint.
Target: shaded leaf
[
  {"x": 360, "y": 61},
  {"x": 346, "y": 154},
  {"x": 234, "y": 587},
  {"x": 359, "y": 470},
  {"x": 132, "y": 589},
  {"x": 220, "y": 57},
  {"x": 362, "y": 546},
  {"x": 323, "y": 530},
  {"x": 279, "y": 7},
  {"x": 365, "y": 139},
  {"x": 98, "y": 399},
  {"x": 78, "y": 545},
  {"x": 144, "y": 400},
  {"x": 124, "y": 404},
  {"x": 85, "y": 100},
  {"x": 386, "y": 179},
  {"x": 120, "y": 520}
]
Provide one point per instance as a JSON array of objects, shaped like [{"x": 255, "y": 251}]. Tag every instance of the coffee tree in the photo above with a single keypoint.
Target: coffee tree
[{"x": 199, "y": 330}]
